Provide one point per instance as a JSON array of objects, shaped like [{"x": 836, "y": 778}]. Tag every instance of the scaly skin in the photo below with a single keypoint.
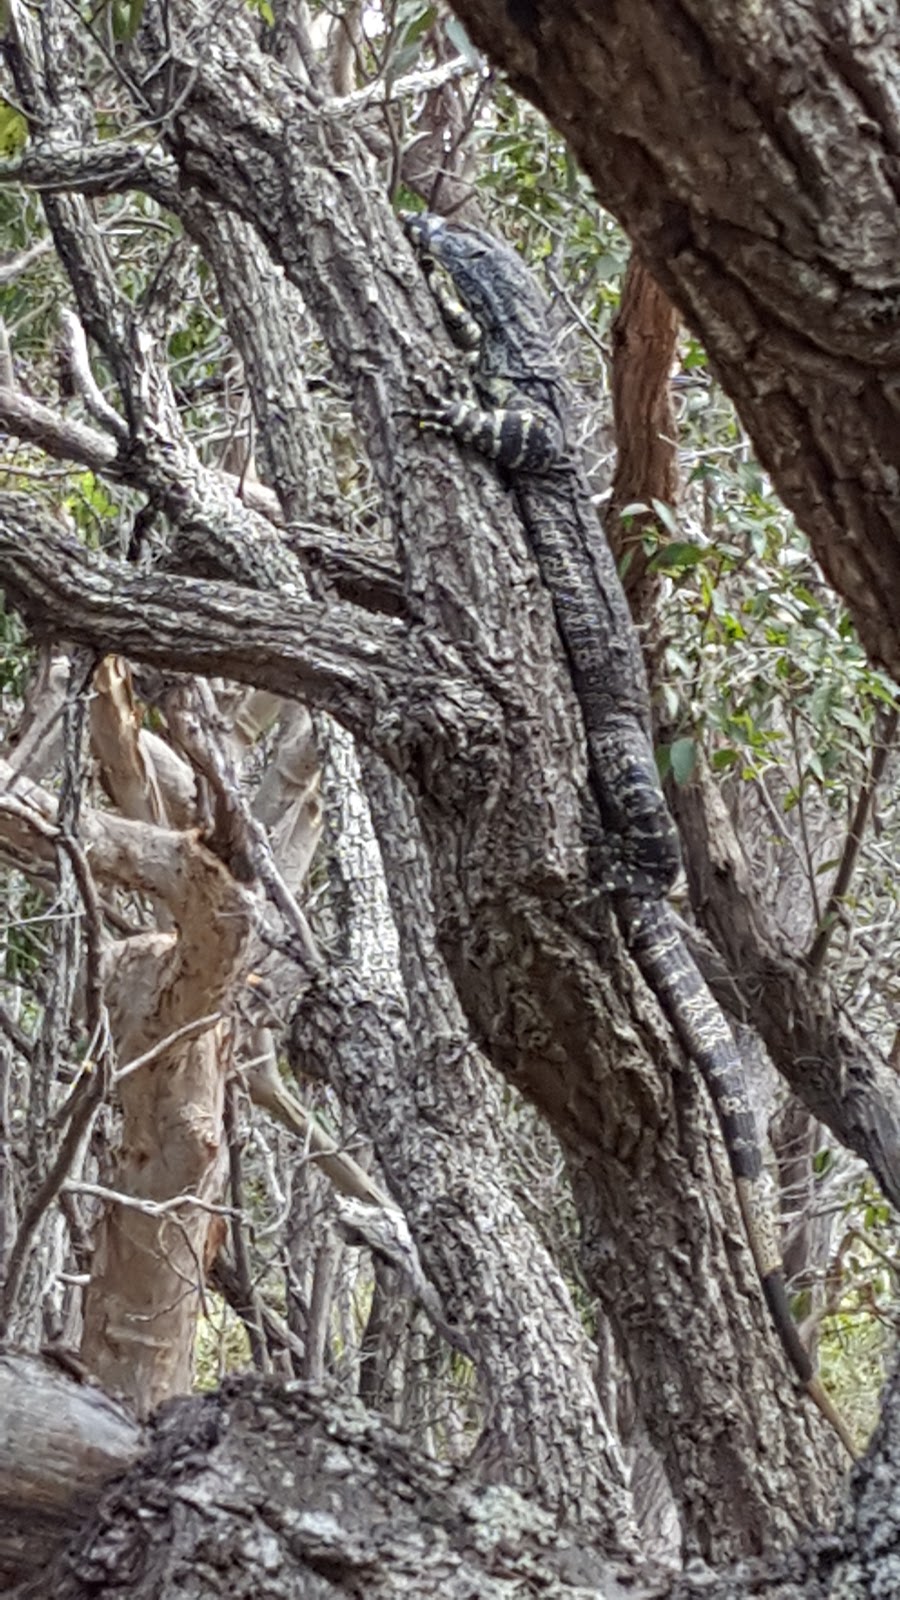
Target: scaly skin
[
  {"x": 519, "y": 420},
  {"x": 521, "y": 424}
]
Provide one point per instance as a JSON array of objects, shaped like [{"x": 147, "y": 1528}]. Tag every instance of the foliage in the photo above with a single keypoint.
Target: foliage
[
  {"x": 222, "y": 1344},
  {"x": 762, "y": 678}
]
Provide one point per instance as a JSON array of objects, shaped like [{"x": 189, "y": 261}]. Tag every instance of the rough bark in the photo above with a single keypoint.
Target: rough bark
[
  {"x": 818, "y": 1048},
  {"x": 332, "y": 654},
  {"x": 754, "y": 157},
  {"x": 470, "y": 703},
  {"x": 392, "y": 1040},
  {"x": 60, "y": 1442},
  {"x": 582, "y": 1052},
  {"x": 269, "y": 1490},
  {"x": 426, "y": 1106}
]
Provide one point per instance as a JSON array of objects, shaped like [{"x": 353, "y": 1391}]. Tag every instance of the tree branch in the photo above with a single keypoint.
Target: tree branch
[
  {"x": 833, "y": 1070},
  {"x": 885, "y": 735},
  {"x": 61, "y": 437},
  {"x": 372, "y": 674},
  {"x": 758, "y": 180},
  {"x": 95, "y": 169},
  {"x": 60, "y": 1442}
]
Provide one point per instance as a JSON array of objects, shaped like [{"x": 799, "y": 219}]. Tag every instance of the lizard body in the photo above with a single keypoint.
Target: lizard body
[
  {"x": 521, "y": 424},
  {"x": 497, "y": 312}
]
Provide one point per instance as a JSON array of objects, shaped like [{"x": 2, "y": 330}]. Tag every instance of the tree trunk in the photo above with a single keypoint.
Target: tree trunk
[
  {"x": 423, "y": 1094},
  {"x": 462, "y": 696},
  {"x": 420, "y": 1091},
  {"x": 753, "y": 158},
  {"x": 468, "y": 698}
]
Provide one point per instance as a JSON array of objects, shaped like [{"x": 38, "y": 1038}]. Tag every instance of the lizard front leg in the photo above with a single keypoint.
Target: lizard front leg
[{"x": 521, "y": 440}]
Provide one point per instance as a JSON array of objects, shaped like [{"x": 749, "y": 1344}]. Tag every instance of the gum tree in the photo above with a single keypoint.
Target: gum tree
[{"x": 413, "y": 618}]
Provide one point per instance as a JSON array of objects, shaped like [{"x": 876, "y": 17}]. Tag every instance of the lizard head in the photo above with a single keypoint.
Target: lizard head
[{"x": 488, "y": 277}]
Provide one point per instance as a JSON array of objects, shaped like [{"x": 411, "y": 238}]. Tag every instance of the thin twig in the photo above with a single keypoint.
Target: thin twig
[
  {"x": 82, "y": 1116},
  {"x": 190, "y": 1030},
  {"x": 150, "y": 1208},
  {"x": 223, "y": 1276},
  {"x": 10, "y": 270},
  {"x": 62, "y": 437},
  {"x": 852, "y": 845},
  {"x": 19, "y": 1040},
  {"x": 90, "y": 1092},
  {"x": 807, "y": 852},
  {"x": 415, "y": 83},
  {"x": 238, "y": 837},
  {"x": 93, "y": 1087}
]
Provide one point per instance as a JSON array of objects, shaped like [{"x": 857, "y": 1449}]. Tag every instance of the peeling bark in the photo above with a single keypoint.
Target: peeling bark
[
  {"x": 644, "y": 336},
  {"x": 147, "y": 1268}
]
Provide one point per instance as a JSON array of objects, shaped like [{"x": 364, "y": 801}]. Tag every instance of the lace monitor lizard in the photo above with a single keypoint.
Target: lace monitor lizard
[{"x": 495, "y": 310}]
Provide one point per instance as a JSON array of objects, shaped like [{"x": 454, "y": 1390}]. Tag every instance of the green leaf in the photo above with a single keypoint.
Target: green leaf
[
  {"x": 421, "y": 18},
  {"x": 678, "y": 556},
  {"x": 683, "y": 759},
  {"x": 460, "y": 40},
  {"x": 13, "y": 130},
  {"x": 721, "y": 760},
  {"x": 666, "y": 516},
  {"x": 694, "y": 356},
  {"x": 814, "y": 765},
  {"x": 126, "y": 19}
]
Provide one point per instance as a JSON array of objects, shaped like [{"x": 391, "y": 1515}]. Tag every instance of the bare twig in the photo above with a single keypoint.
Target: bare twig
[
  {"x": 190, "y": 1030},
  {"x": 66, "y": 439},
  {"x": 240, "y": 837},
  {"x": 17, "y": 264},
  {"x": 7, "y": 370},
  {"x": 60, "y": 436},
  {"x": 415, "y": 83},
  {"x": 93, "y": 1086},
  {"x": 38, "y": 735},
  {"x": 267, "y": 1090},
  {"x": 853, "y": 844},
  {"x": 14, "y": 1034},
  {"x": 807, "y": 851},
  {"x": 80, "y": 364},
  {"x": 150, "y": 1208},
  {"x": 224, "y": 1277},
  {"x": 84, "y": 1107}
]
